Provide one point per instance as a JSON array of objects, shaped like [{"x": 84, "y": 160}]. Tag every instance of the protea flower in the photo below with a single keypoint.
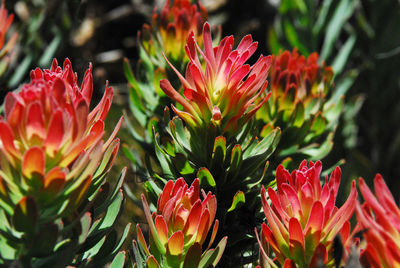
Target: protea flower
[
  {"x": 179, "y": 228},
  {"x": 52, "y": 148},
  {"x": 223, "y": 93},
  {"x": 299, "y": 102},
  {"x": 169, "y": 30},
  {"x": 379, "y": 217},
  {"x": 5, "y": 50},
  {"x": 302, "y": 218}
]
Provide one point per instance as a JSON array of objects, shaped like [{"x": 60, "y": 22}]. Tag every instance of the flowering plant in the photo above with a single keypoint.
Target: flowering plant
[
  {"x": 302, "y": 217},
  {"x": 379, "y": 217},
  {"x": 224, "y": 93},
  {"x": 53, "y": 158},
  {"x": 300, "y": 103},
  {"x": 179, "y": 228}
]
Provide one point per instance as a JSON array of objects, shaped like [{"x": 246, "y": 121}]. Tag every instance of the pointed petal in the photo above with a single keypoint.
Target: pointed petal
[{"x": 162, "y": 229}]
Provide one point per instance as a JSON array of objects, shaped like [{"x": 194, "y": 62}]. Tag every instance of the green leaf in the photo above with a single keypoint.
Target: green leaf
[
  {"x": 292, "y": 5},
  {"x": 319, "y": 124},
  {"x": 193, "y": 255},
  {"x": 164, "y": 160},
  {"x": 238, "y": 200},
  {"x": 114, "y": 195},
  {"x": 137, "y": 257},
  {"x": 205, "y": 178},
  {"x": 86, "y": 222},
  {"x": 122, "y": 239},
  {"x": 152, "y": 262},
  {"x": 105, "y": 251},
  {"x": 341, "y": 59},
  {"x": 51, "y": 50},
  {"x": 344, "y": 84},
  {"x": 182, "y": 136},
  {"x": 273, "y": 42},
  {"x": 118, "y": 261},
  {"x": 219, "y": 150},
  {"x": 298, "y": 115},
  {"x": 182, "y": 164},
  {"x": 62, "y": 257},
  {"x": 236, "y": 159},
  {"x": 21, "y": 71},
  {"x": 129, "y": 74},
  {"x": 129, "y": 154},
  {"x": 95, "y": 249},
  {"x": 258, "y": 155},
  {"x": 134, "y": 129},
  {"x": 342, "y": 13},
  {"x": 212, "y": 256},
  {"x": 111, "y": 213},
  {"x": 322, "y": 16},
  {"x": 321, "y": 151},
  {"x": 293, "y": 38},
  {"x": 45, "y": 240},
  {"x": 25, "y": 215}
]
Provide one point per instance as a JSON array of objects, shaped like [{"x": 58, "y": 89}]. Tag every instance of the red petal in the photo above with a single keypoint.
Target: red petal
[
  {"x": 295, "y": 233},
  {"x": 55, "y": 134},
  {"x": 35, "y": 121},
  {"x": 203, "y": 228},
  {"x": 164, "y": 196},
  {"x": 315, "y": 220},
  {"x": 162, "y": 229},
  {"x": 7, "y": 139},
  {"x": 55, "y": 174},
  {"x": 336, "y": 222},
  {"x": 193, "y": 220},
  {"x": 33, "y": 162},
  {"x": 175, "y": 244}
]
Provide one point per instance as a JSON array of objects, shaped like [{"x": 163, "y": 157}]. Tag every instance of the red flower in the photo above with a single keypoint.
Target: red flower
[
  {"x": 52, "y": 144},
  {"x": 180, "y": 226},
  {"x": 302, "y": 218},
  {"x": 225, "y": 91},
  {"x": 379, "y": 217}
]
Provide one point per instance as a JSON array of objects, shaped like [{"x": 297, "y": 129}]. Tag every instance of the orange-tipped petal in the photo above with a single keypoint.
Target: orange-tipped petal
[
  {"x": 55, "y": 134},
  {"x": 35, "y": 121},
  {"x": 141, "y": 239},
  {"x": 162, "y": 230},
  {"x": 7, "y": 139},
  {"x": 175, "y": 244},
  {"x": 33, "y": 162},
  {"x": 193, "y": 220},
  {"x": 296, "y": 239}
]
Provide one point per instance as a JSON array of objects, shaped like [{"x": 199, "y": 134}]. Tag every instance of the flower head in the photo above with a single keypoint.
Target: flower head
[
  {"x": 299, "y": 90},
  {"x": 169, "y": 29},
  {"x": 379, "y": 217},
  {"x": 51, "y": 143},
  {"x": 180, "y": 226},
  {"x": 223, "y": 93},
  {"x": 302, "y": 218}
]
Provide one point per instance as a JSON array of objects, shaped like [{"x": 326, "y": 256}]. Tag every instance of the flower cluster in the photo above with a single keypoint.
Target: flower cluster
[
  {"x": 52, "y": 144},
  {"x": 379, "y": 218},
  {"x": 180, "y": 226},
  {"x": 225, "y": 92},
  {"x": 302, "y": 218}
]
